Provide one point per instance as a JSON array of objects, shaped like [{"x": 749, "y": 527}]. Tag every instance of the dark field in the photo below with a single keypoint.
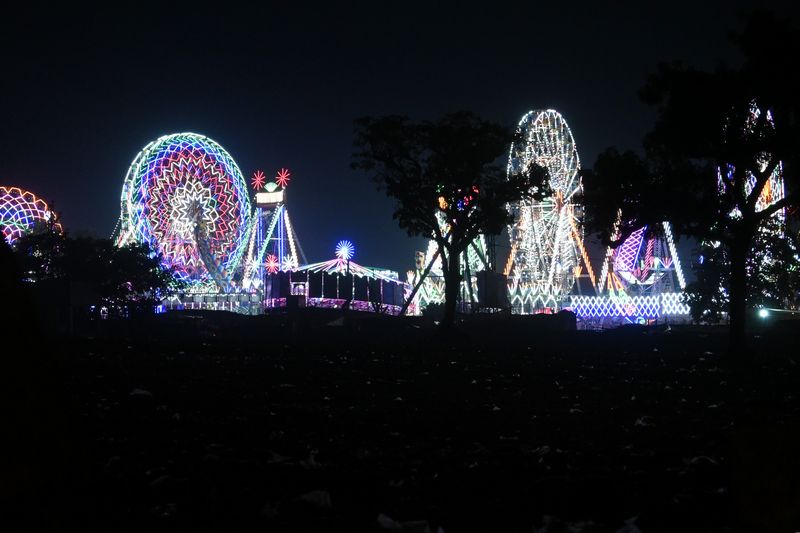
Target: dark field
[{"x": 250, "y": 424}]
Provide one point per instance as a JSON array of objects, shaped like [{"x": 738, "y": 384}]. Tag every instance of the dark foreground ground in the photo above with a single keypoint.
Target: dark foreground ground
[{"x": 236, "y": 424}]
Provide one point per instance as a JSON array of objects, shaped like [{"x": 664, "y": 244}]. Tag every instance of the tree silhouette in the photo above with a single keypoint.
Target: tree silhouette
[
  {"x": 448, "y": 181},
  {"x": 40, "y": 250},
  {"x": 130, "y": 278},
  {"x": 773, "y": 274},
  {"x": 718, "y": 138}
]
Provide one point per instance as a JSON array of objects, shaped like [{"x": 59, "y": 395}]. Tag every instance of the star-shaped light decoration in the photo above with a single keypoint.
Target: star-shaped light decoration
[
  {"x": 283, "y": 177},
  {"x": 191, "y": 205},
  {"x": 345, "y": 250},
  {"x": 258, "y": 180},
  {"x": 289, "y": 262},
  {"x": 272, "y": 263}
]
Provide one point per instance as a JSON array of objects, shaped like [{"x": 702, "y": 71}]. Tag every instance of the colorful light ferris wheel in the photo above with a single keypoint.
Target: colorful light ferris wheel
[
  {"x": 185, "y": 196},
  {"x": 21, "y": 212},
  {"x": 546, "y": 237}
]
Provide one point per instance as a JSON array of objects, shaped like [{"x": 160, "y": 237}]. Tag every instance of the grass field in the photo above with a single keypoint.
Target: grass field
[{"x": 222, "y": 423}]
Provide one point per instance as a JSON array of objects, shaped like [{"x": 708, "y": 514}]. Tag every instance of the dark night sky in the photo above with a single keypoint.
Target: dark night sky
[{"x": 83, "y": 91}]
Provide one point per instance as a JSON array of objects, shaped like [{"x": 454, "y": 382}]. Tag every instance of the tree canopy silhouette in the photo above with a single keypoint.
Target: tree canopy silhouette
[
  {"x": 130, "y": 278},
  {"x": 718, "y": 138},
  {"x": 448, "y": 180}
]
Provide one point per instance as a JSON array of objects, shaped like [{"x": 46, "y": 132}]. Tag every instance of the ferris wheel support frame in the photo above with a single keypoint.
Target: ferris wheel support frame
[{"x": 546, "y": 243}]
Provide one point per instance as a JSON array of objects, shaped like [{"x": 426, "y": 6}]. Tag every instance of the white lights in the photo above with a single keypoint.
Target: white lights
[
  {"x": 345, "y": 250},
  {"x": 432, "y": 290},
  {"x": 642, "y": 279},
  {"x": 622, "y": 306},
  {"x": 269, "y": 198},
  {"x": 546, "y": 237}
]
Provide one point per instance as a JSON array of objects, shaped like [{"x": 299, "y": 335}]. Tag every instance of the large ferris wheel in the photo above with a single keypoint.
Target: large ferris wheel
[
  {"x": 546, "y": 237},
  {"x": 185, "y": 196}
]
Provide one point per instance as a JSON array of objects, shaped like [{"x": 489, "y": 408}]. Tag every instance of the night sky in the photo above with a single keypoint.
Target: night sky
[{"x": 84, "y": 91}]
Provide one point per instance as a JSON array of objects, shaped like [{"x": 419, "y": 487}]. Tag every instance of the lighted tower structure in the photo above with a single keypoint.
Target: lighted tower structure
[{"x": 273, "y": 244}]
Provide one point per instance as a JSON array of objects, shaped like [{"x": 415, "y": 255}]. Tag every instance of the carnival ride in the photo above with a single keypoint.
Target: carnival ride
[
  {"x": 338, "y": 283},
  {"x": 431, "y": 289},
  {"x": 273, "y": 245},
  {"x": 641, "y": 280},
  {"x": 22, "y": 212},
  {"x": 773, "y": 190},
  {"x": 185, "y": 196},
  {"x": 546, "y": 237}
]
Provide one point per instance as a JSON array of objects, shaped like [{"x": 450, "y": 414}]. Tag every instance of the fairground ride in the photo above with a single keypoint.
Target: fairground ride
[
  {"x": 338, "y": 283},
  {"x": 547, "y": 253},
  {"x": 185, "y": 197},
  {"x": 22, "y": 212},
  {"x": 273, "y": 245},
  {"x": 432, "y": 286},
  {"x": 773, "y": 188},
  {"x": 641, "y": 280}
]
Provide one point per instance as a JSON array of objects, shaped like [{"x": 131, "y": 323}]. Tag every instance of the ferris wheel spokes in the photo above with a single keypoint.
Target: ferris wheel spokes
[{"x": 545, "y": 236}]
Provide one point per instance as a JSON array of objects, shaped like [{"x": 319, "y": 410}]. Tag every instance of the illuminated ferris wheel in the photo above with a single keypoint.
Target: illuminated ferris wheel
[
  {"x": 185, "y": 196},
  {"x": 21, "y": 212},
  {"x": 546, "y": 237}
]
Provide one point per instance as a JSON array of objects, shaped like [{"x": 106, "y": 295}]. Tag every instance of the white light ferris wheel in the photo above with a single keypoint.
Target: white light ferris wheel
[{"x": 546, "y": 237}]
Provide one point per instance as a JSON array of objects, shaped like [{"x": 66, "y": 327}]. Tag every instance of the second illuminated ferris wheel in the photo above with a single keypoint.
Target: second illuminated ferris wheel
[{"x": 546, "y": 237}]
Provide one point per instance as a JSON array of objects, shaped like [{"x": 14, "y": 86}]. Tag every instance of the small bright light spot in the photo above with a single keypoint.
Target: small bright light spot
[
  {"x": 763, "y": 313},
  {"x": 345, "y": 250}
]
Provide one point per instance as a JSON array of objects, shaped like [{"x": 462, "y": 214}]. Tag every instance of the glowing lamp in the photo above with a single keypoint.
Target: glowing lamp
[
  {"x": 345, "y": 250},
  {"x": 269, "y": 198}
]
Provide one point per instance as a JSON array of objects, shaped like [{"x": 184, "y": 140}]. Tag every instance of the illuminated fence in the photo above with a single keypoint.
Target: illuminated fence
[
  {"x": 630, "y": 307},
  {"x": 339, "y": 303},
  {"x": 245, "y": 303}
]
